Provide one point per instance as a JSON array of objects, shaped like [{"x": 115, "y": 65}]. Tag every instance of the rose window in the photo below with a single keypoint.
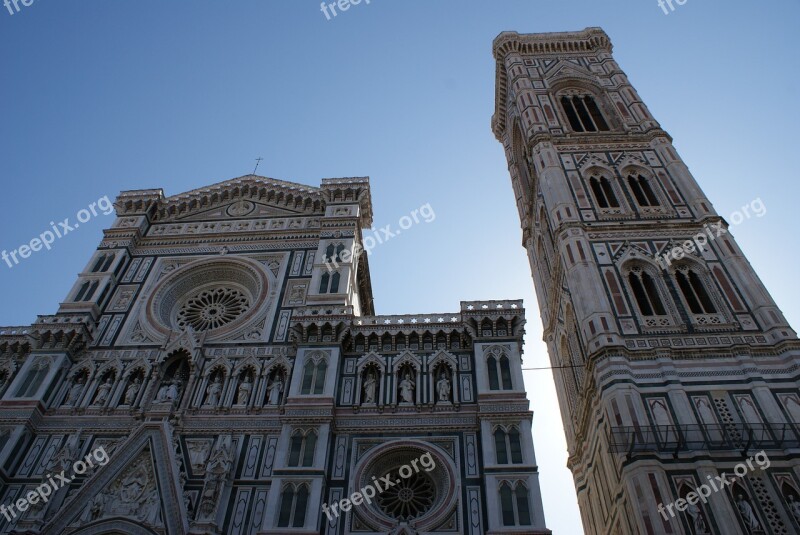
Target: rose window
[
  {"x": 409, "y": 498},
  {"x": 211, "y": 309}
]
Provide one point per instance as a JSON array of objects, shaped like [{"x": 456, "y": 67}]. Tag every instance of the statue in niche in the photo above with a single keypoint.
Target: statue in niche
[
  {"x": 131, "y": 391},
  {"x": 407, "y": 387},
  {"x": 794, "y": 507},
  {"x": 173, "y": 390},
  {"x": 102, "y": 392},
  {"x": 748, "y": 515},
  {"x": 214, "y": 391},
  {"x": 275, "y": 390},
  {"x": 698, "y": 523},
  {"x": 162, "y": 392},
  {"x": 370, "y": 383},
  {"x": 74, "y": 392},
  {"x": 443, "y": 388},
  {"x": 245, "y": 388}
]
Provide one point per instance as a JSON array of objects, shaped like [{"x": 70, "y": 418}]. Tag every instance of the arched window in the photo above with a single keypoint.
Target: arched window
[
  {"x": 603, "y": 192},
  {"x": 335, "y": 282},
  {"x": 646, "y": 293},
  {"x": 499, "y": 369},
  {"x": 641, "y": 189},
  {"x": 294, "y": 502},
  {"x": 302, "y": 448},
  {"x": 694, "y": 291},
  {"x": 314, "y": 377},
  {"x": 98, "y": 266},
  {"x": 500, "y": 446},
  {"x": 508, "y": 446},
  {"x": 33, "y": 380},
  {"x": 494, "y": 381},
  {"x": 583, "y": 113},
  {"x": 515, "y": 505},
  {"x": 339, "y": 250},
  {"x": 324, "y": 282},
  {"x": 515, "y": 445},
  {"x": 505, "y": 373},
  {"x": 82, "y": 291},
  {"x": 330, "y": 252}
]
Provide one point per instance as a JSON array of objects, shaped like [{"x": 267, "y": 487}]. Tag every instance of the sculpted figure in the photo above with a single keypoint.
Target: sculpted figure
[
  {"x": 244, "y": 391},
  {"x": 275, "y": 390},
  {"x": 794, "y": 507},
  {"x": 132, "y": 390},
  {"x": 102, "y": 392},
  {"x": 214, "y": 391},
  {"x": 74, "y": 392},
  {"x": 746, "y": 510},
  {"x": 407, "y": 389},
  {"x": 369, "y": 388},
  {"x": 443, "y": 388}
]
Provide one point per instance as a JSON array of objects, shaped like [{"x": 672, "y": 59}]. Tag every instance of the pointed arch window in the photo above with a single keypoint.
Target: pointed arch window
[
  {"x": 87, "y": 291},
  {"x": 603, "y": 192},
  {"x": 103, "y": 263},
  {"x": 583, "y": 113},
  {"x": 644, "y": 194},
  {"x": 694, "y": 292},
  {"x": 294, "y": 502},
  {"x": 33, "y": 380},
  {"x": 302, "y": 449},
  {"x": 515, "y": 505},
  {"x": 499, "y": 370},
  {"x": 314, "y": 377},
  {"x": 329, "y": 282},
  {"x": 508, "y": 446},
  {"x": 646, "y": 293}
]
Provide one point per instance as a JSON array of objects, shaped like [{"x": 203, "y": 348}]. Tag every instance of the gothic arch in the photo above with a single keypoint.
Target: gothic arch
[
  {"x": 221, "y": 363},
  {"x": 112, "y": 526},
  {"x": 249, "y": 362}
]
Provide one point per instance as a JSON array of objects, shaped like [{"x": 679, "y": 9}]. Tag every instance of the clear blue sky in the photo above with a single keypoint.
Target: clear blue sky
[{"x": 99, "y": 97}]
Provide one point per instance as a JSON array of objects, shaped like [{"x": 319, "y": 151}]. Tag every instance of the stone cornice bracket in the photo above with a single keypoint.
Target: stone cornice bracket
[
  {"x": 68, "y": 333},
  {"x": 138, "y": 202},
  {"x": 15, "y": 342},
  {"x": 590, "y": 40},
  {"x": 353, "y": 190}
]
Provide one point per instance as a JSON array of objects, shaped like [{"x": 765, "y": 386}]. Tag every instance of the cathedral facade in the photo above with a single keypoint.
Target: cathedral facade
[
  {"x": 218, "y": 367},
  {"x": 676, "y": 372}
]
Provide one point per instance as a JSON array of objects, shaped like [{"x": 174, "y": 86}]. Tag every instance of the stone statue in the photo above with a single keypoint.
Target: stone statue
[
  {"x": 102, "y": 392},
  {"x": 275, "y": 390},
  {"x": 162, "y": 392},
  {"x": 132, "y": 390},
  {"x": 245, "y": 388},
  {"x": 74, "y": 392},
  {"x": 214, "y": 391},
  {"x": 407, "y": 389},
  {"x": 748, "y": 515},
  {"x": 173, "y": 390},
  {"x": 794, "y": 507},
  {"x": 443, "y": 388},
  {"x": 698, "y": 523},
  {"x": 370, "y": 384}
]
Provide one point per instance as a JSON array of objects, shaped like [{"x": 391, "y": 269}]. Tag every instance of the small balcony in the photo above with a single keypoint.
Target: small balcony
[{"x": 676, "y": 439}]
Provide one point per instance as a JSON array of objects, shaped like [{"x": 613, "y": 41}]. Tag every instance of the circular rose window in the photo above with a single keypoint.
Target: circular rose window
[
  {"x": 412, "y": 497},
  {"x": 216, "y": 295},
  {"x": 418, "y": 486},
  {"x": 211, "y": 309}
]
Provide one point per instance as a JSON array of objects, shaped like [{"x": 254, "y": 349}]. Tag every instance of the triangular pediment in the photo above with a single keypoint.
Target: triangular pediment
[
  {"x": 249, "y": 196},
  {"x": 240, "y": 210},
  {"x": 138, "y": 485}
]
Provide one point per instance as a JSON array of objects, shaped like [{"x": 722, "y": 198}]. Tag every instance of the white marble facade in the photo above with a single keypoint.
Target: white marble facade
[
  {"x": 237, "y": 386},
  {"x": 670, "y": 373}
]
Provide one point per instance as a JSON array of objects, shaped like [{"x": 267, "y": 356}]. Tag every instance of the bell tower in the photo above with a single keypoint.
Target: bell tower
[{"x": 674, "y": 367}]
